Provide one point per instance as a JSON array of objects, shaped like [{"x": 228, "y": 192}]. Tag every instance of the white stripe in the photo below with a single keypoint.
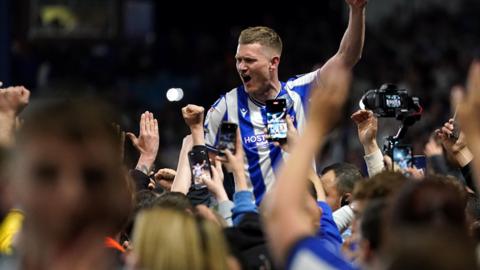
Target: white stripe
[
  {"x": 232, "y": 107},
  {"x": 305, "y": 260},
  {"x": 305, "y": 79},
  {"x": 300, "y": 117},
  {"x": 263, "y": 150},
  {"x": 213, "y": 120}
]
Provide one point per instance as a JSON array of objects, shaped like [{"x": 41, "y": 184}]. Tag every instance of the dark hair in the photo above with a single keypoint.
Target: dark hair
[
  {"x": 381, "y": 185},
  {"x": 473, "y": 206},
  {"x": 76, "y": 121},
  {"x": 429, "y": 202},
  {"x": 346, "y": 175},
  {"x": 144, "y": 199},
  {"x": 371, "y": 225},
  {"x": 429, "y": 248},
  {"x": 176, "y": 200}
]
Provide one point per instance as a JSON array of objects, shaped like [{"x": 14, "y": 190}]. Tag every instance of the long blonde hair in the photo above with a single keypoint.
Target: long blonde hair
[{"x": 171, "y": 239}]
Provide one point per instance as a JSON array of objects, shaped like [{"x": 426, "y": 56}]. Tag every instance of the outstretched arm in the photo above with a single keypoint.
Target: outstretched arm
[
  {"x": 288, "y": 222},
  {"x": 351, "y": 46},
  {"x": 468, "y": 111},
  {"x": 147, "y": 142}
]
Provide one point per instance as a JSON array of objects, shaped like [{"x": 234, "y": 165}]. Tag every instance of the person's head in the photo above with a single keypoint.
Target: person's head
[
  {"x": 172, "y": 239},
  {"x": 257, "y": 59},
  {"x": 429, "y": 248},
  {"x": 176, "y": 200},
  {"x": 67, "y": 173},
  {"x": 371, "y": 230},
  {"x": 381, "y": 186},
  {"x": 338, "y": 181},
  {"x": 435, "y": 201}
]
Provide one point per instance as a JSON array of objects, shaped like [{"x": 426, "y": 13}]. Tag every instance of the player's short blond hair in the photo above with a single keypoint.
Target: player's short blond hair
[{"x": 263, "y": 35}]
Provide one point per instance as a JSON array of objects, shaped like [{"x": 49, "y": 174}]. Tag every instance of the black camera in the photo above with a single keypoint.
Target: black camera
[{"x": 390, "y": 101}]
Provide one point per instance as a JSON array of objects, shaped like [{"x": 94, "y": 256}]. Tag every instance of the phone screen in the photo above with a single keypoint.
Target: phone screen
[
  {"x": 420, "y": 162},
  {"x": 402, "y": 156},
  {"x": 227, "y": 137},
  {"x": 200, "y": 166},
  {"x": 276, "y": 123}
]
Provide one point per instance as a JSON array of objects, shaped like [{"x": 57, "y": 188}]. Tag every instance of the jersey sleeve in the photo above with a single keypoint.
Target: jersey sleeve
[
  {"x": 309, "y": 253},
  {"x": 302, "y": 84},
  {"x": 215, "y": 115}
]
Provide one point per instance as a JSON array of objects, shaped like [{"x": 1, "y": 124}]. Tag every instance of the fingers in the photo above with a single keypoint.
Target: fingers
[
  {"x": 361, "y": 116},
  {"x": 143, "y": 127},
  {"x": 290, "y": 125},
  {"x": 229, "y": 155}
]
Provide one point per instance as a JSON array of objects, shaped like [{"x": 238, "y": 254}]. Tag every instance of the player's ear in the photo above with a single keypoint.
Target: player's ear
[{"x": 274, "y": 62}]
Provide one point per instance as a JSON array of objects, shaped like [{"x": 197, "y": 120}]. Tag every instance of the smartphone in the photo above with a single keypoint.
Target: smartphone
[
  {"x": 420, "y": 162},
  {"x": 227, "y": 137},
  {"x": 402, "y": 156},
  {"x": 276, "y": 120},
  {"x": 200, "y": 166}
]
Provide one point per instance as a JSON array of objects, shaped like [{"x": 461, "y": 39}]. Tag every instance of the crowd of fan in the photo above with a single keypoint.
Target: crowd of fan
[{"x": 68, "y": 202}]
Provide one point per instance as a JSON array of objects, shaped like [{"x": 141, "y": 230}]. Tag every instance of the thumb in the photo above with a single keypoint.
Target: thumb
[{"x": 132, "y": 137}]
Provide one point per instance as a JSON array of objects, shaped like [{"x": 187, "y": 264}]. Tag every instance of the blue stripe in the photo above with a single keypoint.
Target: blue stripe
[{"x": 247, "y": 130}]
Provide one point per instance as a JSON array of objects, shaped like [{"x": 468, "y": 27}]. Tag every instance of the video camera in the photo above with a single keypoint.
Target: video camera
[{"x": 391, "y": 101}]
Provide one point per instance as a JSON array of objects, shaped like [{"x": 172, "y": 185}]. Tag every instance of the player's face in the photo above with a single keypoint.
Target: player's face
[{"x": 254, "y": 67}]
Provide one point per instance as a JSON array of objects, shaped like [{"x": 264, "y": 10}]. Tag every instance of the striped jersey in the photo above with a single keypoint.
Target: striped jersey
[{"x": 262, "y": 158}]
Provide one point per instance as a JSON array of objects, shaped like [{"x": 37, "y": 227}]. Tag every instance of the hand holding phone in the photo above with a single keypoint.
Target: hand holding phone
[
  {"x": 402, "y": 156},
  {"x": 227, "y": 137},
  {"x": 200, "y": 166},
  {"x": 276, "y": 123}
]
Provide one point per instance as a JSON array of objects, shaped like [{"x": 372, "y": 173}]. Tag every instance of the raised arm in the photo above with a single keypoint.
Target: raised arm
[
  {"x": 193, "y": 116},
  {"x": 351, "y": 46},
  {"x": 288, "y": 222},
  {"x": 468, "y": 112},
  {"x": 367, "y": 126},
  {"x": 146, "y": 143},
  {"x": 182, "y": 181}
]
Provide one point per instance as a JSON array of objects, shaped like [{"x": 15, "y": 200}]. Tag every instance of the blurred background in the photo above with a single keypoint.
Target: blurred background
[{"x": 132, "y": 52}]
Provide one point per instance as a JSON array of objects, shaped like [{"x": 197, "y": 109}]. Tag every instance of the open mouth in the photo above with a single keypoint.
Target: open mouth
[{"x": 246, "y": 78}]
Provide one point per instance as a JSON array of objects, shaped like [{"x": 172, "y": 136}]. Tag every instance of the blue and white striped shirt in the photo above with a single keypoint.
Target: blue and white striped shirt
[{"x": 262, "y": 158}]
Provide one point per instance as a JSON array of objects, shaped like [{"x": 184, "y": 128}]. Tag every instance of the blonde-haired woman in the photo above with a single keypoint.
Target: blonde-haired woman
[{"x": 170, "y": 239}]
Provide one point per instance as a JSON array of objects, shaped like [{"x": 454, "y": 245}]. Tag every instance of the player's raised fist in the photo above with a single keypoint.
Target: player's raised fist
[{"x": 193, "y": 115}]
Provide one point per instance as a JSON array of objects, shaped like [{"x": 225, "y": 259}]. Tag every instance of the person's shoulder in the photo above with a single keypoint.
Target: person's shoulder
[
  {"x": 302, "y": 79},
  {"x": 310, "y": 253}
]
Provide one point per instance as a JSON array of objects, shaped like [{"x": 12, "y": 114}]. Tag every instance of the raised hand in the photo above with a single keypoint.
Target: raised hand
[
  {"x": 236, "y": 164},
  {"x": 147, "y": 142},
  {"x": 215, "y": 183},
  {"x": 13, "y": 99},
  {"x": 193, "y": 116},
  {"x": 452, "y": 145},
  {"x": 367, "y": 126},
  {"x": 292, "y": 135},
  {"x": 164, "y": 177}
]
